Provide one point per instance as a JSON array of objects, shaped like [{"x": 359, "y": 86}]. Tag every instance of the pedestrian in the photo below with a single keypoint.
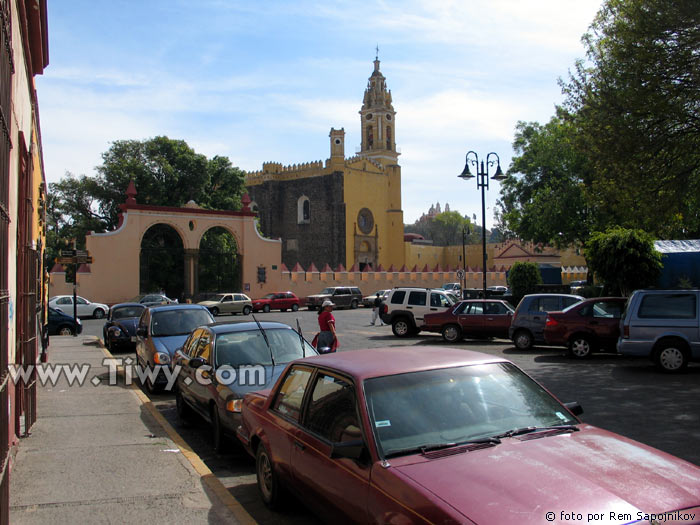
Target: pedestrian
[
  {"x": 326, "y": 322},
  {"x": 376, "y": 309}
]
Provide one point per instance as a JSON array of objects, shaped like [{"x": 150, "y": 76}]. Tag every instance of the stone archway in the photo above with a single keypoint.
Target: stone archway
[
  {"x": 219, "y": 262},
  {"x": 161, "y": 261}
]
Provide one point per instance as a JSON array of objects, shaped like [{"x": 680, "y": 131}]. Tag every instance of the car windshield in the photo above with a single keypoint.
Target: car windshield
[
  {"x": 456, "y": 405},
  {"x": 127, "y": 311},
  {"x": 249, "y": 347},
  {"x": 219, "y": 297},
  {"x": 178, "y": 322},
  {"x": 326, "y": 291}
]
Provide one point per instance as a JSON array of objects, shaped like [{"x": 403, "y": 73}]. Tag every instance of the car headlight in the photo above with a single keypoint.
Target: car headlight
[
  {"x": 234, "y": 405},
  {"x": 116, "y": 332},
  {"x": 161, "y": 358},
  {"x": 78, "y": 321}
]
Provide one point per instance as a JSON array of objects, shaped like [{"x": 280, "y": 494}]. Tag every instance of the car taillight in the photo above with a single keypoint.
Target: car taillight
[
  {"x": 551, "y": 321},
  {"x": 626, "y": 331},
  {"x": 385, "y": 308}
]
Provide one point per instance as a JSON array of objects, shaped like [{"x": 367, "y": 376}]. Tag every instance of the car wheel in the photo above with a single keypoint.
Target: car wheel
[
  {"x": 268, "y": 484},
  {"x": 150, "y": 384},
  {"x": 580, "y": 347},
  {"x": 353, "y": 304},
  {"x": 65, "y": 330},
  {"x": 266, "y": 308},
  {"x": 215, "y": 311},
  {"x": 295, "y": 307},
  {"x": 184, "y": 411},
  {"x": 99, "y": 313},
  {"x": 247, "y": 310},
  {"x": 401, "y": 327},
  {"x": 218, "y": 440},
  {"x": 523, "y": 340},
  {"x": 452, "y": 333},
  {"x": 671, "y": 357}
]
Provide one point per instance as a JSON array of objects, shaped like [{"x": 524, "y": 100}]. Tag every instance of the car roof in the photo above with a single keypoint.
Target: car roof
[
  {"x": 244, "y": 326},
  {"x": 378, "y": 362},
  {"x": 164, "y": 307},
  {"x": 553, "y": 295},
  {"x": 119, "y": 305}
]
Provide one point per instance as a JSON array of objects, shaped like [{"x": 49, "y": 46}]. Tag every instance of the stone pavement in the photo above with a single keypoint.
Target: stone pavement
[{"x": 103, "y": 454}]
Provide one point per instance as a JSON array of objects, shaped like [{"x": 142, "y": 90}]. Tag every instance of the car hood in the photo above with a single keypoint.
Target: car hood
[
  {"x": 169, "y": 343},
  {"x": 208, "y": 303},
  {"x": 590, "y": 471},
  {"x": 127, "y": 326},
  {"x": 319, "y": 296},
  {"x": 271, "y": 374}
]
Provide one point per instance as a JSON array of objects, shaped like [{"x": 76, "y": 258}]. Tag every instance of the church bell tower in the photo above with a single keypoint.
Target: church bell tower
[{"x": 377, "y": 118}]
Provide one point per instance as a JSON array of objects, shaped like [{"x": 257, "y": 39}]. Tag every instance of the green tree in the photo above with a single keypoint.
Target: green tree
[
  {"x": 445, "y": 229},
  {"x": 543, "y": 195},
  {"x": 635, "y": 107},
  {"x": 623, "y": 259},
  {"x": 523, "y": 278}
]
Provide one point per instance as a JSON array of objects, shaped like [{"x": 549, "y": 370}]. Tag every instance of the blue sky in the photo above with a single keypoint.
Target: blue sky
[{"x": 265, "y": 80}]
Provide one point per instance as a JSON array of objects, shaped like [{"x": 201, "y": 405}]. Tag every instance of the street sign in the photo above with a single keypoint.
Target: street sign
[
  {"x": 460, "y": 274},
  {"x": 83, "y": 259},
  {"x": 65, "y": 260},
  {"x": 67, "y": 253}
]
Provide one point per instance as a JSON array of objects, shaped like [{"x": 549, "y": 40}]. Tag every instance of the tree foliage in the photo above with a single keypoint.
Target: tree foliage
[
  {"x": 624, "y": 148},
  {"x": 445, "y": 229},
  {"x": 166, "y": 172},
  {"x": 623, "y": 259},
  {"x": 523, "y": 278}
]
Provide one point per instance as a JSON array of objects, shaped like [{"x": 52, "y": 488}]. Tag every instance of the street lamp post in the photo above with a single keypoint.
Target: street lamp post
[{"x": 482, "y": 181}]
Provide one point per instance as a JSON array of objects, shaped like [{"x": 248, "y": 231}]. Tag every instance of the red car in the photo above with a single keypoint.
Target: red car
[
  {"x": 441, "y": 435},
  {"x": 587, "y": 326},
  {"x": 472, "y": 317},
  {"x": 281, "y": 301}
]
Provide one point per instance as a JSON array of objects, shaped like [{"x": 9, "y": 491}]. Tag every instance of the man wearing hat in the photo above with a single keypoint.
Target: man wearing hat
[{"x": 326, "y": 323}]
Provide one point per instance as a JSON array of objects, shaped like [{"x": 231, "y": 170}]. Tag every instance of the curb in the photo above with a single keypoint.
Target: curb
[{"x": 205, "y": 474}]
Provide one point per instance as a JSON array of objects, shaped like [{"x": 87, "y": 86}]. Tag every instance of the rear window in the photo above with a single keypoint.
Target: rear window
[
  {"x": 668, "y": 306},
  {"x": 546, "y": 304},
  {"x": 398, "y": 297}
]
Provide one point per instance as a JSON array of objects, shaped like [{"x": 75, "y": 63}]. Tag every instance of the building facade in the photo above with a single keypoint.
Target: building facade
[
  {"x": 344, "y": 211},
  {"x": 23, "y": 55}
]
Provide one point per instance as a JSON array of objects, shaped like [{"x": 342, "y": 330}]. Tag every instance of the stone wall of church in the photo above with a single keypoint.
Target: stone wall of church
[{"x": 320, "y": 239}]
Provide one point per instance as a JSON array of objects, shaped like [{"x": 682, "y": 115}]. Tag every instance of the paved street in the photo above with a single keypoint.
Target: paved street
[{"x": 620, "y": 394}]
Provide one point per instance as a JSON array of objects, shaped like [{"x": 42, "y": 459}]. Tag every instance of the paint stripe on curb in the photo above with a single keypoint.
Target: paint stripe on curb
[{"x": 206, "y": 475}]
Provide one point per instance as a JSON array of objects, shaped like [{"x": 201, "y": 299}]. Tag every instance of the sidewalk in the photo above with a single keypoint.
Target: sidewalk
[{"x": 100, "y": 455}]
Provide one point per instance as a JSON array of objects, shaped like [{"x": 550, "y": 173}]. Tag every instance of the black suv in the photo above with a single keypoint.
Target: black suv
[{"x": 341, "y": 296}]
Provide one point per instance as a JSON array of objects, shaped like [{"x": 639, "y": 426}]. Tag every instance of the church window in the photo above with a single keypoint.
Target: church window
[
  {"x": 303, "y": 210},
  {"x": 388, "y": 137},
  {"x": 370, "y": 137}
]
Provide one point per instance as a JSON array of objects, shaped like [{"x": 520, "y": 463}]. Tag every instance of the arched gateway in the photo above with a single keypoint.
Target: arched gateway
[{"x": 121, "y": 256}]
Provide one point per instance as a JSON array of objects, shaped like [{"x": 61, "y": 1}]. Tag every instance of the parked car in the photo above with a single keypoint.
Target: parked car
[
  {"x": 527, "y": 326},
  {"x": 229, "y": 303},
  {"x": 453, "y": 287},
  {"x": 153, "y": 299},
  {"x": 59, "y": 323},
  {"x": 497, "y": 290},
  {"x": 342, "y": 297},
  {"x": 162, "y": 330},
  {"x": 224, "y": 350},
  {"x": 368, "y": 300},
  {"x": 405, "y": 308},
  {"x": 440, "y": 435},
  {"x": 84, "y": 307},
  {"x": 577, "y": 286},
  {"x": 586, "y": 327},
  {"x": 473, "y": 317},
  {"x": 281, "y": 301},
  {"x": 119, "y": 332},
  {"x": 663, "y": 325}
]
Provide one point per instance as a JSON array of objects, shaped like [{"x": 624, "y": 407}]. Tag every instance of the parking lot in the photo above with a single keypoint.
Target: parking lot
[{"x": 624, "y": 395}]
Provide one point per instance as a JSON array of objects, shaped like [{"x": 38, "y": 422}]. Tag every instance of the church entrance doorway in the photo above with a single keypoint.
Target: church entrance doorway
[{"x": 162, "y": 262}]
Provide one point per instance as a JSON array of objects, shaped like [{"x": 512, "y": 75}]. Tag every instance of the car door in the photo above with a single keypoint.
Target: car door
[
  {"x": 538, "y": 313},
  {"x": 284, "y": 418},
  {"x": 331, "y": 417},
  {"x": 341, "y": 296},
  {"x": 183, "y": 356},
  {"x": 227, "y": 304},
  {"x": 417, "y": 304},
  {"x": 496, "y": 320},
  {"x": 605, "y": 322},
  {"x": 65, "y": 304},
  {"x": 471, "y": 319},
  {"x": 237, "y": 305},
  {"x": 202, "y": 376}
]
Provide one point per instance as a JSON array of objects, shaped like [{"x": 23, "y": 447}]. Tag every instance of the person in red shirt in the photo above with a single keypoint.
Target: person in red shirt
[{"x": 326, "y": 323}]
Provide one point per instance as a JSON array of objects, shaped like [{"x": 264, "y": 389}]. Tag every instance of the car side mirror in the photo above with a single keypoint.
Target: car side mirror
[
  {"x": 142, "y": 332},
  {"x": 348, "y": 449},
  {"x": 574, "y": 407},
  {"x": 196, "y": 362}
]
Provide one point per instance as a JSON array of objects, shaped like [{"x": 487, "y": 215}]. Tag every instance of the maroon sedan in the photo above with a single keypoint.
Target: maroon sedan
[
  {"x": 473, "y": 317},
  {"x": 440, "y": 435},
  {"x": 281, "y": 301},
  {"x": 587, "y": 326}
]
